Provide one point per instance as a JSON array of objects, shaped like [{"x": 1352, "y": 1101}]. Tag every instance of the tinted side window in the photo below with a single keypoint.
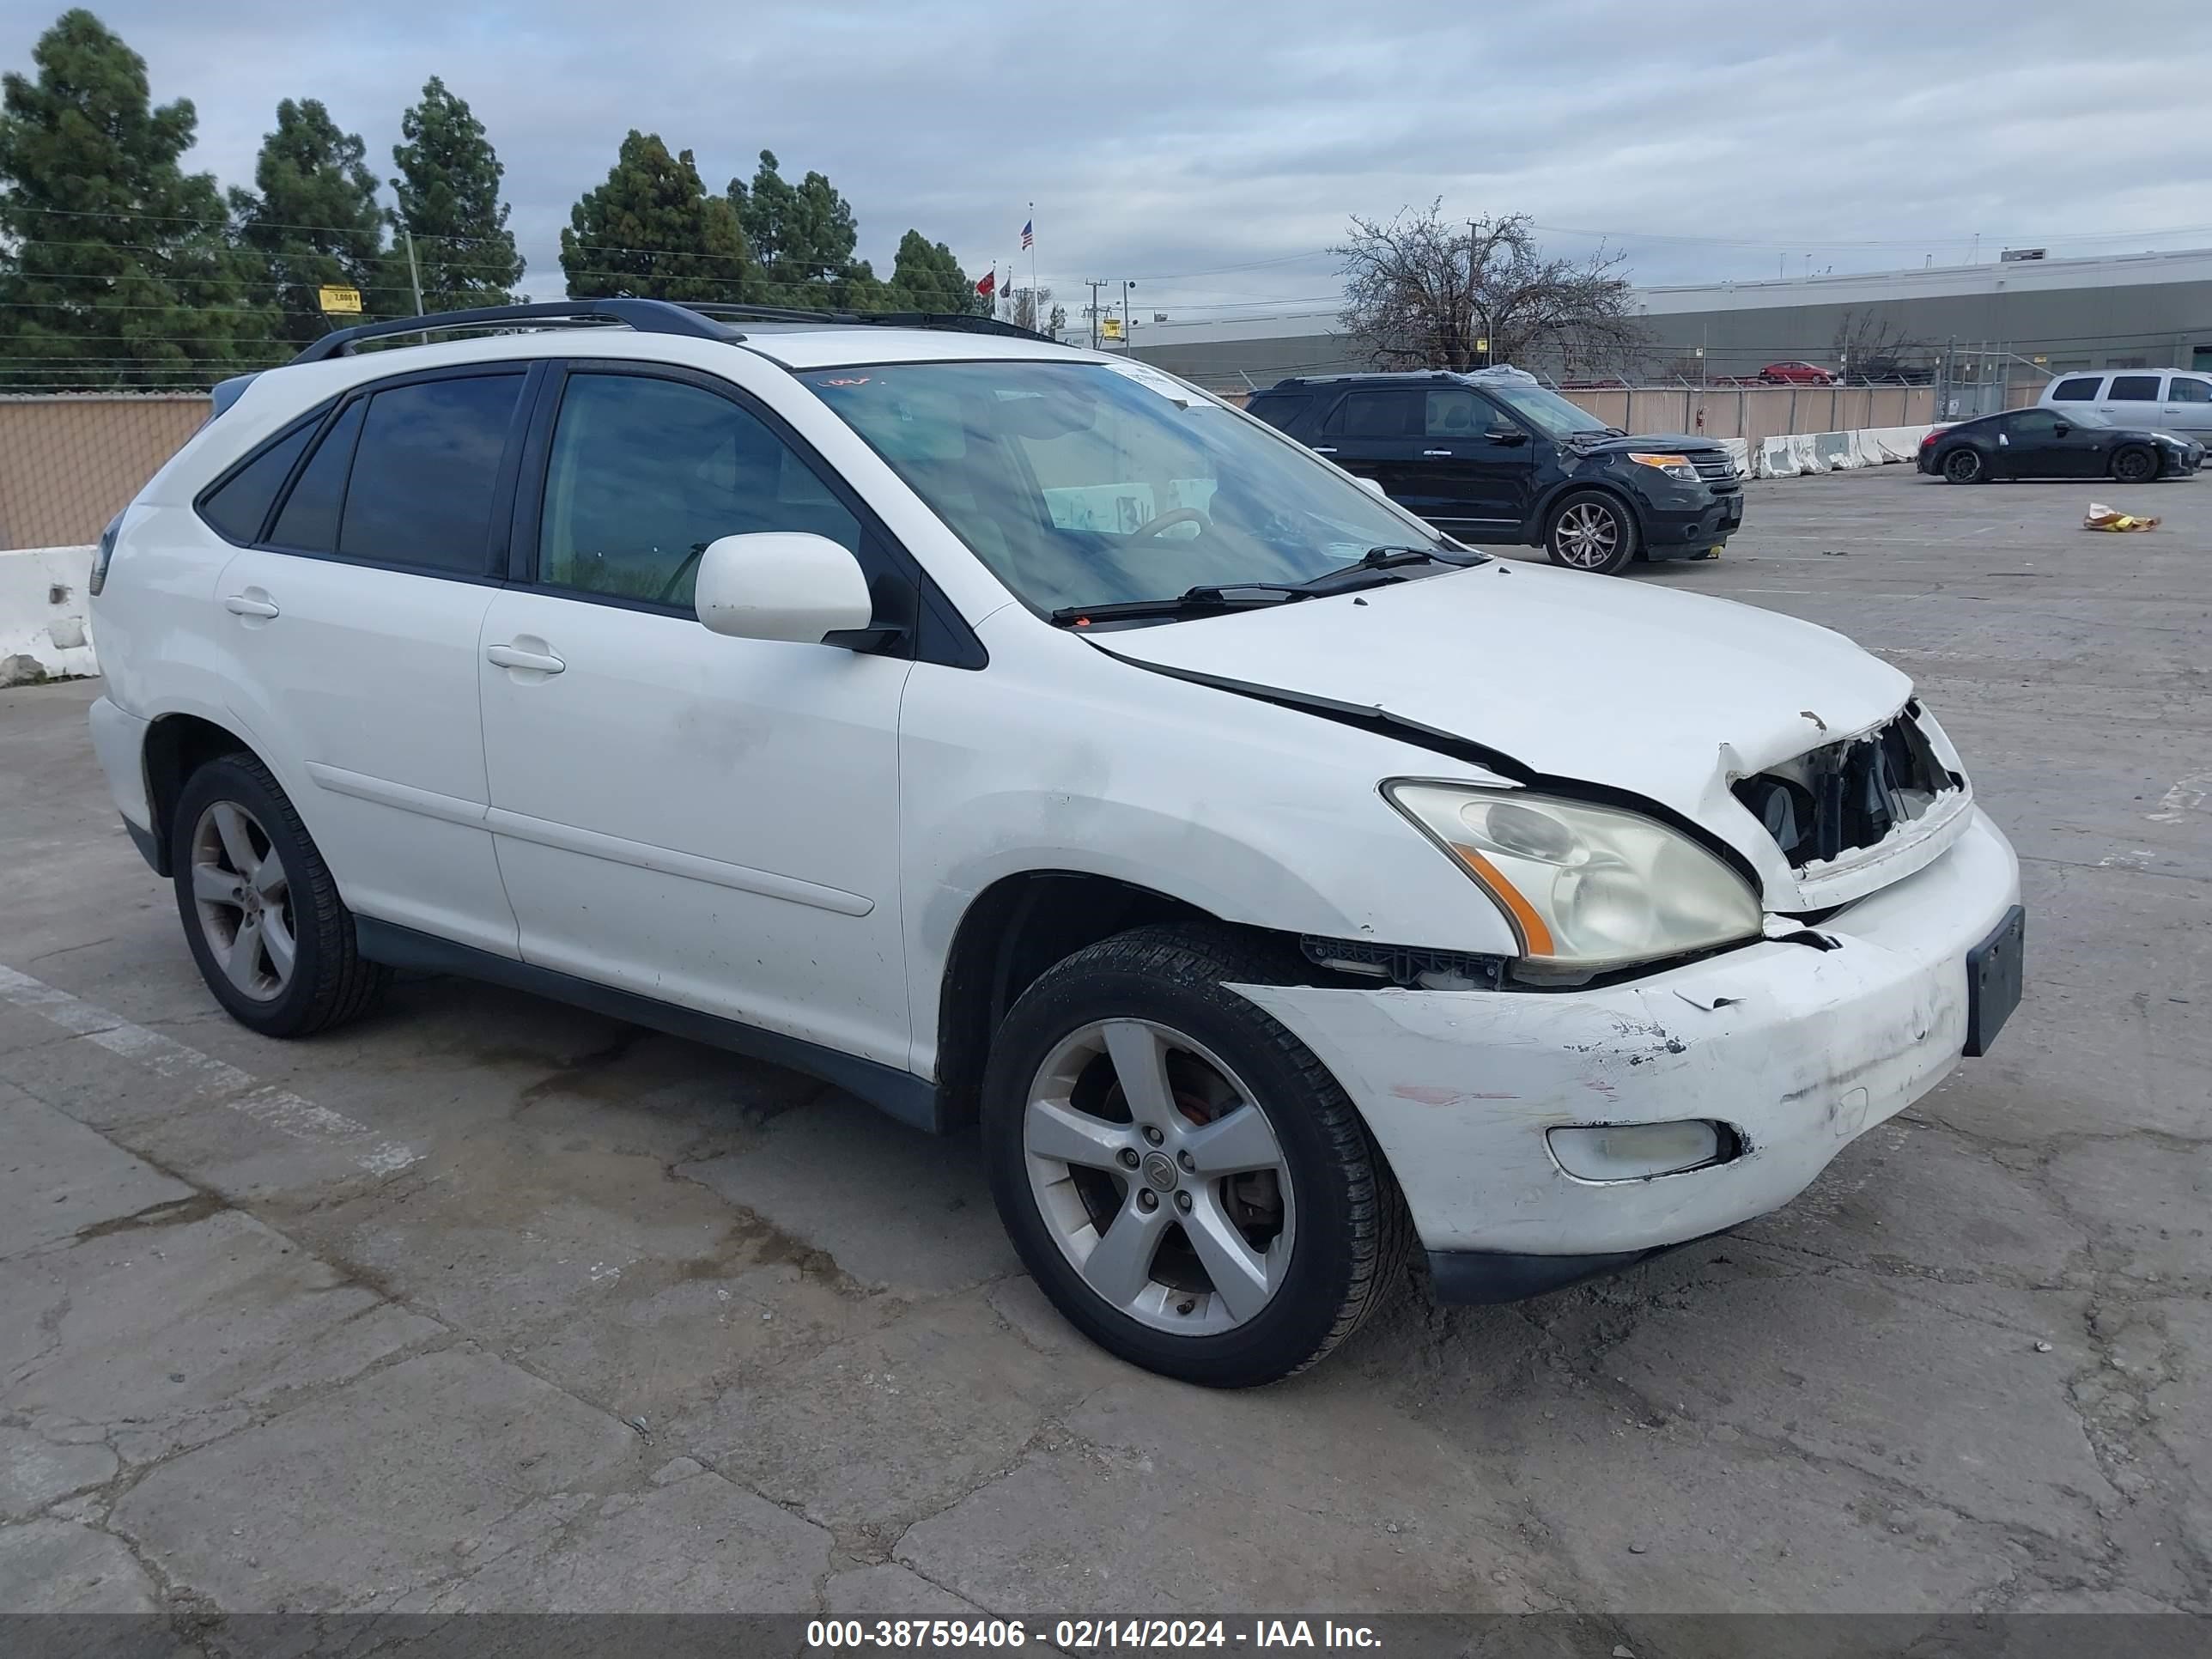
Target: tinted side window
[
  {"x": 1283, "y": 411},
  {"x": 1375, "y": 415},
  {"x": 2186, "y": 390},
  {"x": 2134, "y": 389},
  {"x": 2032, "y": 426},
  {"x": 241, "y": 507},
  {"x": 1453, "y": 413},
  {"x": 425, "y": 472},
  {"x": 2082, "y": 391},
  {"x": 309, "y": 521},
  {"x": 644, "y": 473}
]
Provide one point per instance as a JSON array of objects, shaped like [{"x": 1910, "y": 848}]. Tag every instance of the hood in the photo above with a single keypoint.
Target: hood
[
  {"x": 1604, "y": 443},
  {"x": 1670, "y": 696}
]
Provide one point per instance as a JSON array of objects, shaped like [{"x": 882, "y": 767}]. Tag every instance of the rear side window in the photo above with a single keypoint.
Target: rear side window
[
  {"x": 239, "y": 506},
  {"x": 425, "y": 472},
  {"x": 2134, "y": 389},
  {"x": 309, "y": 522},
  {"x": 2186, "y": 390},
  {"x": 2080, "y": 390},
  {"x": 1375, "y": 415},
  {"x": 1283, "y": 410}
]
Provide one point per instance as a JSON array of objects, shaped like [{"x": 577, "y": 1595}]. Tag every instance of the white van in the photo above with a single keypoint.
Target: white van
[{"x": 2159, "y": 400}]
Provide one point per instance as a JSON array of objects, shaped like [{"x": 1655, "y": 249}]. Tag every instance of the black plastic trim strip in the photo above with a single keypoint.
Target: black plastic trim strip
[{"x": 912, "y": 1100}]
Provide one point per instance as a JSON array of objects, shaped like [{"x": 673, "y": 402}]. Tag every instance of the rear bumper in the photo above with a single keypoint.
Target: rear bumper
[
  {"x": 1797, "y": 1050},
  {"x": 119, "y": 739}
]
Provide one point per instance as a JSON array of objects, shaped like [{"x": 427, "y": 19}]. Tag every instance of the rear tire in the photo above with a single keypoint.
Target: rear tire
[
  {"x": 259, "y": 907},
  {"x": 1964, "y": 466},
  {"x": 1591, "y": 530},
  {"x": 2134, "y": 464},
  {"x": 1075, "y": 1156}
]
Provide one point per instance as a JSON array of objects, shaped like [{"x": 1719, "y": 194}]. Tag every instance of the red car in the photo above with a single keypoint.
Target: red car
[{"x": 1796, "y": 374}]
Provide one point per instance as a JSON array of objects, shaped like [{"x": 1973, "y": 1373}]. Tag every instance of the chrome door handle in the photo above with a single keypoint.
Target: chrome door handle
[
  {"x": 240, "y": 606},
  {"x": 1324, "y": 449},
  {"x": 508, "y": 656},
  {"x": 1446, "y": 452}
]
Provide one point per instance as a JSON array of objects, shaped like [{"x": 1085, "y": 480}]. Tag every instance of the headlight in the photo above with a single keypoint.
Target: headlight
[
  {"x": 1586, "y": 887},
  {"x": 1675, "y": 466}
]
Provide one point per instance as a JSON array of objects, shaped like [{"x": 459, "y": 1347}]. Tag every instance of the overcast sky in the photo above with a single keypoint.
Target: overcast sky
[{"x": 1213, "y": 151}]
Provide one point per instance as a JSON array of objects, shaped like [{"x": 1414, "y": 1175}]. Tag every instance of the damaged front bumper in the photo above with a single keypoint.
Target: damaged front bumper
[{"x": 1795, "y": 1049}]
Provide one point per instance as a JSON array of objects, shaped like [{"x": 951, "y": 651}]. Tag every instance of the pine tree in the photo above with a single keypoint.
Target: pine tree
[
  {"x": 801, "y": 235},
  {"x": 926, "y": 276},
  {"x": 114, "y": 267},
  {"x": 448, "y": 191},
  {"x": 651, "y": 231},
  {"x": 315, "y": 222}
]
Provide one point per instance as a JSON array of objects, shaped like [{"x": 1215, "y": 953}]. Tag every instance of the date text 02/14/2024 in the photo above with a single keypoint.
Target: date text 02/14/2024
[{"x": 1079, "y": 1635}]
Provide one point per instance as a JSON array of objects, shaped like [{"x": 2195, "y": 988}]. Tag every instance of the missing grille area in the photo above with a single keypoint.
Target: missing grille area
[{"x": 1846, "y": 796}]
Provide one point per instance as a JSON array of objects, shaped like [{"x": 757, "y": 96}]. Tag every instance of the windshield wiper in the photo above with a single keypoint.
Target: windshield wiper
[
  {"x": 1191, "y": 602},
  {"x": 1360, "y": 573},
  {"x": 1370, "y": 569}
]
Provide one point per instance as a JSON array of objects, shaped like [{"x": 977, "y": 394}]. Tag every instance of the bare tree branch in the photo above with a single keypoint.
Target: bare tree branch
[{"x": 1421, "y": 292}]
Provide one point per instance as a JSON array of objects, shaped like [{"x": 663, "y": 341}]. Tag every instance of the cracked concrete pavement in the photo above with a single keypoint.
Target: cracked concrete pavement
[{"x": 615, "y": 1321}]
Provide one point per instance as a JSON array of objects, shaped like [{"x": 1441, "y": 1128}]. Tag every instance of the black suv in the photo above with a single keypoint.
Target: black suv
[{"x": 1493, "y": 456}]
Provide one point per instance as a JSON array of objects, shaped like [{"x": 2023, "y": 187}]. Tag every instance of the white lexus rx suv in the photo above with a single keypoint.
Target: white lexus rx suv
[{"x": 1010, "y": 732}]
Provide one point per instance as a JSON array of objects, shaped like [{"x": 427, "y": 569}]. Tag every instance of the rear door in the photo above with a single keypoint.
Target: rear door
[
  {"x": 2188, "y": 407},
  {"x": 1373, "y": 432},
  {"x": 352, "y": 626},
  {"x": 2134, "y": 399}
]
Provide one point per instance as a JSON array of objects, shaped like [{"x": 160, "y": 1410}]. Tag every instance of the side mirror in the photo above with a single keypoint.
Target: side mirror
[
  {"x": 1373, "y": 487},
  {"x": 780, "y": 586},
  {"x": 1506, "y": 434},
  {"x": 2062, "y": 430}
]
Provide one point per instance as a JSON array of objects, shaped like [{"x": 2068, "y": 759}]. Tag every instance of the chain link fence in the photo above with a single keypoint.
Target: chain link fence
[{"x": 69, "y": 462}]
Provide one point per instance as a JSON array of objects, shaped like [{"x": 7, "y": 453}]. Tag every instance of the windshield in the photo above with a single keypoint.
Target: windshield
[
  {"x": 1547, "y": 412},
  {"x": 1085, "y": 484}
]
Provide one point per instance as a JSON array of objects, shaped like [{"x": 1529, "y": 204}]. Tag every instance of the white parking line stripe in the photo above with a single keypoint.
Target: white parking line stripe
[{"x": 238, "y": 1091}]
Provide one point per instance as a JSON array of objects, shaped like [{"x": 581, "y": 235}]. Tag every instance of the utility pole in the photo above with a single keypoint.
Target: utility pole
[
  {"x": 413, "y": 275},
  {"x": 1095, "y": 284},
  {"x": 1129, "y": 336}
]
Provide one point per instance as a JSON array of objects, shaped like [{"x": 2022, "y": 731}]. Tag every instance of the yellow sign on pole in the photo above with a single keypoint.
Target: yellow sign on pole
[
  {"x": 1482, "y": 343},
  {"x": 347, "y": 300},
  {"x": 1109, "y": 328}
]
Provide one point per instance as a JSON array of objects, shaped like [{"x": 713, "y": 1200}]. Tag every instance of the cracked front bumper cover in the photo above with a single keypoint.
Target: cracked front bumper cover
[{"x": 1796, "y": 1049}]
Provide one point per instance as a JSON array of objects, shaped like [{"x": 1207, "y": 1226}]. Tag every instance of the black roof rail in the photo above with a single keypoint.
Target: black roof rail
[
  {"x": 952, "y": 322},
  {"x": 646, "y": 316}
]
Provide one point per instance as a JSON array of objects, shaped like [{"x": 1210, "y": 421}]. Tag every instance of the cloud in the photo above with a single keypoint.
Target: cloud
[{"x": 1214, "y": 152}]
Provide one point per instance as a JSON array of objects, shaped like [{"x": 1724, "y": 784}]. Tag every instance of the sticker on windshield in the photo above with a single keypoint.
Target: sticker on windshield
[{"x": 1166, "y": 385}]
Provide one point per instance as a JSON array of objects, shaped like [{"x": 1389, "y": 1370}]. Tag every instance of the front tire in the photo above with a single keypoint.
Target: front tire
[
  {"x": 1178, "y": 1172},
  {"x": 1964, "y": 466},
  {"x": 2134, "y": 464},
  {"x": 260, "y": 909},
  {"x": 1591, "y": 530}
]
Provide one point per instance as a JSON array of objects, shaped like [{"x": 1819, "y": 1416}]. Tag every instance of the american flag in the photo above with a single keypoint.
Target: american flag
[{"x": 1026, "y": 237}]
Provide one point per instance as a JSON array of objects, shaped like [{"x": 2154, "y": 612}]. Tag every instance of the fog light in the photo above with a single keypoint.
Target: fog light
[{"x": 1631, "y": 1151}]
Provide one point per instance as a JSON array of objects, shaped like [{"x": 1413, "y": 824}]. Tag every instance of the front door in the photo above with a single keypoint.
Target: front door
[
  {"x": 1478, "y": 484},
  {"x": 354, "y": 627},
  {"x": 705, "y": 821},
  {"x": 2042, "y": 443},
  {"x": 2188, "y": 406}
]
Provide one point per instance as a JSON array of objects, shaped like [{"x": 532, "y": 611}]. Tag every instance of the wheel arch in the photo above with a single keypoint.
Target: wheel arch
[
  {"x": 1548, "y": 504},
  {"x": 176, "y": 746},
  {"x": 1010, "y": 934}
]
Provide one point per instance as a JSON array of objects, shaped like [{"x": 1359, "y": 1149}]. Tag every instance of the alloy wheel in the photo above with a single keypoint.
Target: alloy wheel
[
  {"x": 1159, "y": 1176},
  {"x": 1586, "y": 536},
  {"x": 244, "y": 899}
]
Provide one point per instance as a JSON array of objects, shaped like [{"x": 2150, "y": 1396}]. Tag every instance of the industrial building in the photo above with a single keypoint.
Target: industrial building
[{"x": 2015, "y": 318}]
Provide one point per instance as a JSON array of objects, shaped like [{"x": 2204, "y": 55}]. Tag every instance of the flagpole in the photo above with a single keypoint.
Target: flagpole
[{"x": 1036, "y": 294}]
